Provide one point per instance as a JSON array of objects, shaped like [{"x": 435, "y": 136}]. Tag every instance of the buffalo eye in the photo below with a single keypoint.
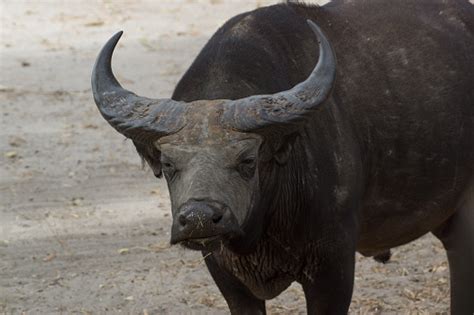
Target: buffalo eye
[
  {"x": 168, "y": 168},
  {"x": 246, "y": 167}
]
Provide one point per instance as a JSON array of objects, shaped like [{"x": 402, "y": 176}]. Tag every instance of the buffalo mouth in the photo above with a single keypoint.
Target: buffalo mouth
[
  {"x": 206, "y": 243},
  {"x": 209, "y": 243}
]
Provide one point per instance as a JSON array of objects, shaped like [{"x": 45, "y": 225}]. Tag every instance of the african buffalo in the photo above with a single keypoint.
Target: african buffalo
[{"x": 288, "y": 146}]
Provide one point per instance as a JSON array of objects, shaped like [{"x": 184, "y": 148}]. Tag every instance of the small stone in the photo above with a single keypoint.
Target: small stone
[{"x": 76, "y": 201}]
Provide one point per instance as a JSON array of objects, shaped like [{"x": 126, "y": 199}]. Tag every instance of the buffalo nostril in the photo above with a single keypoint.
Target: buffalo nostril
[
  {"x": 216, "y": 217},
  {"x": 182, "y": 219}
]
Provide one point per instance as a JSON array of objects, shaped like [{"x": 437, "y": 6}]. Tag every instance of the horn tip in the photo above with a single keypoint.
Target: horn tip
[
  {"x": 311, "y": 23},
  {"x": 117, "y": 35},
  {"x": 316, "y": 30},
  {"x": 314, "y": 27}
]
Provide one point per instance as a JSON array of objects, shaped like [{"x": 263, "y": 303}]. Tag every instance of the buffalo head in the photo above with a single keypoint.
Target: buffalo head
[{"x": 212, "y": 152}]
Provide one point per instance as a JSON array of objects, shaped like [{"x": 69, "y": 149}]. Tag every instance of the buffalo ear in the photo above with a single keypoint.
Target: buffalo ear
[
  {"x": 284, "y": 150},
  {"x": 151, "y": 155}
]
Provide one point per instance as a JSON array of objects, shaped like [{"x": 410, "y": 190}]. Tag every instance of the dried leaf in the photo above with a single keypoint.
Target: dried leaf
[
  {"x": 146, "y": 43},
  {"x": 11, "y": 154},
  {"x": 16, "y": 141},
  {"x": 49, "y": 257},
  {"x": 4, "y": 88},
  {"x": 94, "y": 23},
  {"x": 123, "y": 251}
]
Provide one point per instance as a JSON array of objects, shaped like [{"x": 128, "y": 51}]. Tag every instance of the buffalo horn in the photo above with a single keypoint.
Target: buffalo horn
[
  {"x": 291, "y": 106},
  {"x": 139, "y": 118}
]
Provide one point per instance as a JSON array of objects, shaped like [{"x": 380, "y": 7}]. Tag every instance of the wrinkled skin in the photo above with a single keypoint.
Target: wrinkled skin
[
  {"x": 195, "y": 171},
  {"x": 386, "y": 158},
  {"x": 204, "y": 164}
]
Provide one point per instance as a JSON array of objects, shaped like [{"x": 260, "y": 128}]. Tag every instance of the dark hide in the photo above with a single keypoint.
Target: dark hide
[
  {"x": 387, "y": 158},
  {"x": 384, "y": 162}
]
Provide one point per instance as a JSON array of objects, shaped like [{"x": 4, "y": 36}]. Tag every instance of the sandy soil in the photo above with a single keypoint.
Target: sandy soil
[{"x": 84, "y": 229}]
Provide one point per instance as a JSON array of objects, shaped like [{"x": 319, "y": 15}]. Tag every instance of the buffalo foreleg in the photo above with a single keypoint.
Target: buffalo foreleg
[
  {"x": 329, "y": 289},
  {"x": 237, "y": 296}
]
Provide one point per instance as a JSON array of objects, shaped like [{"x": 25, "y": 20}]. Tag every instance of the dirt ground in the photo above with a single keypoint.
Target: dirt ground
[{"x": 84, "y": 229}]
